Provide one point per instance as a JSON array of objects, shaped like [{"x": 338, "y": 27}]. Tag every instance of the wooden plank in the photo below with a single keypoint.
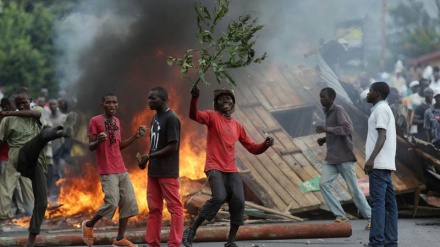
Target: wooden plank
[
  {"x": 243, "y": 92},
  {"x": 270, "y": 88},
  {"x": 296, "y": 85},
  {"x": 291, "y": 96},
  {"x": 339, "y": 185},
  {"x": 255, "y": 120},
  {"x": 258, "y": 185},
  {"x": 279, "y": 175},
  {"x": 253, "y": 87}
]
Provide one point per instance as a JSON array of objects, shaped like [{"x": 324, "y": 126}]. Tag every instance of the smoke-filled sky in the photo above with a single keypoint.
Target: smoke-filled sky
[{"x": 122, "y": 46}]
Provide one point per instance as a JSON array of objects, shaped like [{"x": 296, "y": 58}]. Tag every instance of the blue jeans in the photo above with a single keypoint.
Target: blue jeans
[
  {"x": 328, "y": 175},
  {"x": 383, "y": 230}
]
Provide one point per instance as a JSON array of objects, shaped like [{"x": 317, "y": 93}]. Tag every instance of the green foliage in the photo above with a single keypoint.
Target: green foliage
[
  {"x": 414, "y": 31},
  {"x": 26, "y": 49},
  {"x": 232, "y": 49}
]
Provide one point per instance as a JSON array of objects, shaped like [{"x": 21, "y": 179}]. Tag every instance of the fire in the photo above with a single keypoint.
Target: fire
[{"x": 81, "y": 194}]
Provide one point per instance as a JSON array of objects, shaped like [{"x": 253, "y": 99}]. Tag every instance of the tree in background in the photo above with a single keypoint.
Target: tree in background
[
  {"x": 414, "y": 31},
  {"x": 26, "y": 48}
]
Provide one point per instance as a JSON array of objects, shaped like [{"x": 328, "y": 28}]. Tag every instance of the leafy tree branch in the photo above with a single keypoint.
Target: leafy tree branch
[{"x": 234, "y": 48}]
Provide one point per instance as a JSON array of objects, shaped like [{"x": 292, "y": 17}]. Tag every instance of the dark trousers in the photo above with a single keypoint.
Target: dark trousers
[
  {"x": 28, "y": 167},
  {"x": 225, "y": 187}
]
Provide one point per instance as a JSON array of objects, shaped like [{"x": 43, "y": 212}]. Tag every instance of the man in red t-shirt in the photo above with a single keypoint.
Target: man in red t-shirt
[
  {"x": 105, "y": 139},
  {"x": 225, "y": 181}
]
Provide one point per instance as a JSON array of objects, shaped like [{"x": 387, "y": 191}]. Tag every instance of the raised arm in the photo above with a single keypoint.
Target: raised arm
[
  {"x": 193, "y": 108},
  {"x": 22, "y": 113}
]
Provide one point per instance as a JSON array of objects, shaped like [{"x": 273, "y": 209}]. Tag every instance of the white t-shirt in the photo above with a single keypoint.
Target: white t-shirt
[
  {"x": 382, "y": 118},
  {"x": 415, "y": 100},
  {"x": 435, "y": 85}
]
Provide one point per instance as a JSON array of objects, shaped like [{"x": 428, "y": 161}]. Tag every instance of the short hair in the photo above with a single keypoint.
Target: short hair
[
  {"x": 163, "y": 93},
  {"x": 330, "y": 91},
  {"x": 382, "y": 88},
  {"x": 394, "y": 90},
  {"x": 22, "y": 90},
  {"x": 427, "y": 89},
  {"x": 107, "y": 94},
  {"x": 5, "y": 103}
]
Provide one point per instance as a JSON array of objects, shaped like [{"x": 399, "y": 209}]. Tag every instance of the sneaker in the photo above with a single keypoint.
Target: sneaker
[
  {"x": 87, "y": 233},
  {"x": 123, "y": 242},
  {"x": 231, "y": 245},
  {"x": 368, "y": 226},
  {"x": 341, "y": 220},
  {"x": 188, "y": 236},
  {"x": 68, "y": 124}
]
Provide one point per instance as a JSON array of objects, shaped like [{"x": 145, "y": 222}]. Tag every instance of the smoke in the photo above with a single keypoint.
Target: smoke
[{"x": 122, "y": 46}]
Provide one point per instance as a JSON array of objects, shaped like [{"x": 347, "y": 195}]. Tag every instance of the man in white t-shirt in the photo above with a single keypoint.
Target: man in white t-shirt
[
  {"x": 415, "y": 99},
  {"x": 380, "y": 152},
  {"x": 435, "y": 80}
]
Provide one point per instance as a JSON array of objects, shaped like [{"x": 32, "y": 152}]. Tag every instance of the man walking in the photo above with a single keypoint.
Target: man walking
[
  {"x": 340, "y": 157},
  {"x": 105, "y": 139}
]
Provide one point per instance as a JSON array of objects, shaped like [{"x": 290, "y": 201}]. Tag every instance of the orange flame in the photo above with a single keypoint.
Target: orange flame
[{"x": 82, "y": 194}]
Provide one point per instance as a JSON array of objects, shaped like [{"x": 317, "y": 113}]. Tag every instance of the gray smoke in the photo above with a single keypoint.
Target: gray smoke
[{"x": 122, "y": 46}]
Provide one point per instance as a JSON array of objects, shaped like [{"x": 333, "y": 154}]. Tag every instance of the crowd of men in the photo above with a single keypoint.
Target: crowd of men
[
  {"x": 27, "y": 182},
  {"x": 414, "y": 100}
]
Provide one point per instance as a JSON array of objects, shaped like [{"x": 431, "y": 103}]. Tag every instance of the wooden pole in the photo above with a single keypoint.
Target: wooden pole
[
  {"x": 383, "y": 32},
  {"x": 204, "y": 234}
]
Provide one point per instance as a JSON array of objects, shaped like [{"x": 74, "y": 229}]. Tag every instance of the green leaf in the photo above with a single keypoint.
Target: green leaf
[
  {"x": 233, "y": 48},
  {"x": 171, "y": 60}
]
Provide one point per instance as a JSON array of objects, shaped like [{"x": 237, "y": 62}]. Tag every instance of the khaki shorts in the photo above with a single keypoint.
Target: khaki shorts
[{"x": 118, "y": 191}]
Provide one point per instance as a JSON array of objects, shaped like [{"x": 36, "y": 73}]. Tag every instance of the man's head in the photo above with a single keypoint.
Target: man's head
[
  {"x": 53, "y": 105},
  {"x": 394, "y": 96},
  {"x": 44, "y": 92},
  {"x": 157, "y": 98},
  {"x": 429, "y": 94},
  {"x": 327, "y": 96},
  {"x": 224, "y": 101},
  {"x": 5, "y": 104},
  {"x": 424, "y": 83},
  {"x": 378, "y": 91},
  {"x": 22, "y": 99},
  {"x": 109, "y": 104},
  {"x": 41, "y": 101},
  {"x": 414, "y": 86}
]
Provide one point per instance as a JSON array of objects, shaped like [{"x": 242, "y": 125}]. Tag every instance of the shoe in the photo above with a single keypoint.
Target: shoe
[
  {"x": 87, "y": 233},
  {"x": 188, "y": 236},
  {"x": 123, "y": 242},
  {"x": 68, "y": 124},
  {"x": 341, "y": 220},
  {"x": 231, "y": 245},
  {"x": 368, "y": 226}
]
